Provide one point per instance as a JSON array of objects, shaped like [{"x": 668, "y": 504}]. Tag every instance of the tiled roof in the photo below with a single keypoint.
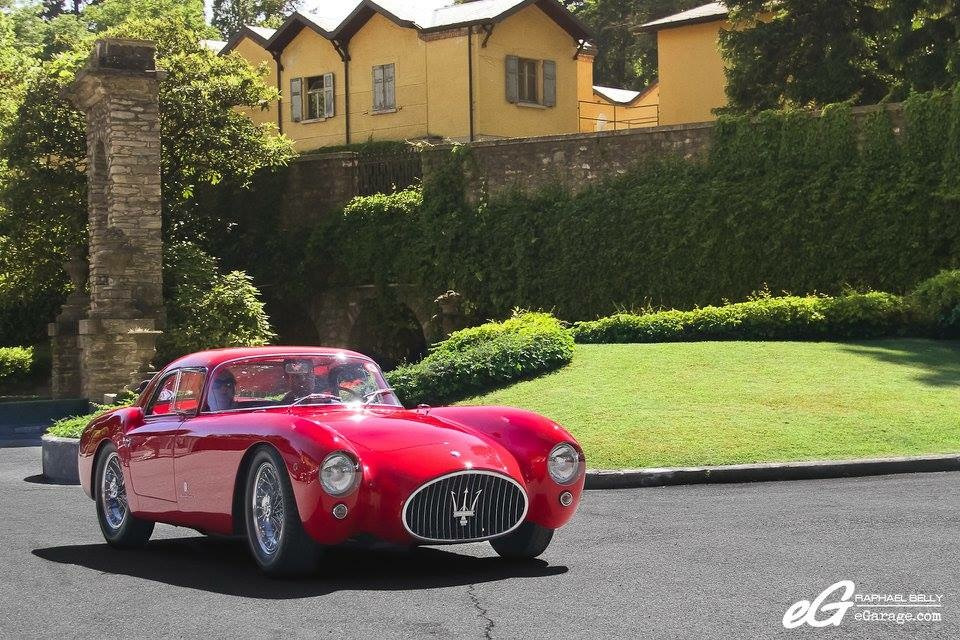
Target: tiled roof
[
  {"x": 263, "y": 32},
  {"x": 620, "y": 96},
  {"x": 704, "y": 13},
  {"x": 334, "y": 17},
  {"x": 213, "y": 45}
]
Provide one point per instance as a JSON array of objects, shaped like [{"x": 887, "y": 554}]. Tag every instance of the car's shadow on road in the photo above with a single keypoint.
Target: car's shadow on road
[{"x": 224, "y": 566}]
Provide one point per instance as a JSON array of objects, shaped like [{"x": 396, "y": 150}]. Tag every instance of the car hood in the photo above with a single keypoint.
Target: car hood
[{"x": 414, "y": 442}]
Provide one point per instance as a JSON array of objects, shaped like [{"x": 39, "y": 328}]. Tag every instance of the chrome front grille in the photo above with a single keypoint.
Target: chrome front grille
[{"x": 465, "y": 506}]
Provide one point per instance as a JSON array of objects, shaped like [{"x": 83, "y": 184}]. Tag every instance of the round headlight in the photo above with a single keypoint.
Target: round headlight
[
  {"x": 563, "y": 463},
  {"x": 338, "y": 473}
]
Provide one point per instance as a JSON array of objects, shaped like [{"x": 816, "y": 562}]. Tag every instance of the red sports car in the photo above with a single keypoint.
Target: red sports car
[{"x": 298, "y": 448}]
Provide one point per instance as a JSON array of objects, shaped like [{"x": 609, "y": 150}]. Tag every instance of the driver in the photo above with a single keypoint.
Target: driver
[
  {"x": 221, "y": 393},
  {"x": 300, "y": 381}
]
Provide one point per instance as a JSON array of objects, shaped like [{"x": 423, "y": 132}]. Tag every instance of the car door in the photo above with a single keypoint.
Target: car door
[
  {"x": 152, "y": 443},
  {"x": 206, "y": 457}
]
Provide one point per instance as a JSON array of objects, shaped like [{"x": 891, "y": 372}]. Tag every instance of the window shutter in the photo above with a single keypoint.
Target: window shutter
[
  {"x": 377, "y": 88},
  {"x": 549, "y": 83},
  {"x": 328, "y": 95},
  {"x": 512, "y": 81},
  {"x": 389, "y": 87},
  {"x": 296, "y": 99}
]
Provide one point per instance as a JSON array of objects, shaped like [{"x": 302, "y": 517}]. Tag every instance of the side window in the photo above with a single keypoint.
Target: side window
[
  {"x": 531, "y": 81},
  {"x": 188, "y": 391},
  {"x": 384, "y": 88},
  {"x": 163, "y": 399}
]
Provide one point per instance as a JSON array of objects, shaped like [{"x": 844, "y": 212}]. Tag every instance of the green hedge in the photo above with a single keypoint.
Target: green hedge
[
  {"x": 478, "y": 359},
  {"x": 15, "y": 364},
  {"x": 855, "y": 315},
  {"x": 935, "y": 304},
  {"x": 795, "y": 201}
]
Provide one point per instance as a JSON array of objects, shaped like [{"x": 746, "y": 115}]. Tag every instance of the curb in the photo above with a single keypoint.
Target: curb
[
  {"x": 59, "y": 459},
  {"x": 767, "y": 472}
]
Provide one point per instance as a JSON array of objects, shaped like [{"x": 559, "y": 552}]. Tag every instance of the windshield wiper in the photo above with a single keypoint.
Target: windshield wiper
[
  {"x": 312, "y": 396},
  {"x": 367, "y": 397}
]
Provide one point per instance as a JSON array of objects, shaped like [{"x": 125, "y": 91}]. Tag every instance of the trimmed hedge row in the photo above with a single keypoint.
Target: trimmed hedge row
[
  {"x": 15, "y": 364},
  {"x": 478, "y": 359},
  {"x": 855, "y": 315}
]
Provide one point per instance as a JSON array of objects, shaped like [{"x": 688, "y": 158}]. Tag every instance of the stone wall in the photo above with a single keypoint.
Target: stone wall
[
  {"x": 317, "y": 185},
  {"x": 573, "y": 161}
]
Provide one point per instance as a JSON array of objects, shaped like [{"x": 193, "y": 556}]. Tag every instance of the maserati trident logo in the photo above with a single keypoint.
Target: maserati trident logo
[{"x": 463, "y": 512}]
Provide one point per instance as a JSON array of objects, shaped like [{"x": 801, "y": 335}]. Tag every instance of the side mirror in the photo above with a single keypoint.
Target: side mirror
[{"x": 134, "y": 416}]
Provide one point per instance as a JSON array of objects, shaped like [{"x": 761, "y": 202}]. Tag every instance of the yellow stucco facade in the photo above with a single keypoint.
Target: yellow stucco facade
[
  {"x": 432, "y": 80},
  {"x": 691, "y": 72},
  {"x": 309, "y": 55},
  {"x": 532, "y": 35}
]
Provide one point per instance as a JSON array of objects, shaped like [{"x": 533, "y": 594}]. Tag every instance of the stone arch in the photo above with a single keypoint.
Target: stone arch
[{"x": 388, "y": 331}]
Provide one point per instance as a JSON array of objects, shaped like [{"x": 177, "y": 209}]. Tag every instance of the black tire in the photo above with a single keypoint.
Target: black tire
[
  {"x": 526, "y": 543},
  {"x": 295, "y": 553},
  {"x": 124, "y": 530}
]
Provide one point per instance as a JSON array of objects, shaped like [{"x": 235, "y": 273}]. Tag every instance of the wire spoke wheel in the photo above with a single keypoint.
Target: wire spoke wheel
[
  {"x": 113, "y": 493},
  {"x": 268, "y": 508}
]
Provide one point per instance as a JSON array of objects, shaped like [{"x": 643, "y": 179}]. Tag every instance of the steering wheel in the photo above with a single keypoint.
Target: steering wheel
[
  {"x": 315, "y": 396},
  {"x": 356, "y": 394}
]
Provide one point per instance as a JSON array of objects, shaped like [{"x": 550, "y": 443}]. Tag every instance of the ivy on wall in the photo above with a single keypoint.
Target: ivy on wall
[{"x": 798, "y": 202}]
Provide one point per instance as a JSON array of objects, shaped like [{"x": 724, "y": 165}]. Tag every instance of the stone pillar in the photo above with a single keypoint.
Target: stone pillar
[
  {"x": 65, "y": 348},
  {"x": 117, "y": 91}
]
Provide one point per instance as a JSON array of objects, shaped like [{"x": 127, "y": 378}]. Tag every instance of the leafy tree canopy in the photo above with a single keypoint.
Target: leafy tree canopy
[
  {"x": 814, "y": 52},
  {"x": 229, "y": 16},
  {"x": 627, "y": 56},
  {"x": 204, "y": 140}
]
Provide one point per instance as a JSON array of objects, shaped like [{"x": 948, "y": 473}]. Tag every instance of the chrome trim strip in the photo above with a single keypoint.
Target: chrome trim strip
[{"x": 426, "y": 485}]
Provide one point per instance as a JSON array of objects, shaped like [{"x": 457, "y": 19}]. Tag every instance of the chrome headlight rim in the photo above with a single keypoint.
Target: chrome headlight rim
[
  {"x": 352, "y": 464},
  {"x": 577, "y": 463}
]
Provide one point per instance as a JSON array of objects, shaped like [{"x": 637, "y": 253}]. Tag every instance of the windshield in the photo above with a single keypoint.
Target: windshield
[{"x": 276, "y": 381}]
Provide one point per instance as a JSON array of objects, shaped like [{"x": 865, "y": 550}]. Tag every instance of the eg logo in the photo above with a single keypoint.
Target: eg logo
[{"x": 806, "y": 611}]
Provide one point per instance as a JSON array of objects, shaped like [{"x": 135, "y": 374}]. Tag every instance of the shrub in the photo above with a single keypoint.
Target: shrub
[
  {"x": 73, "y": 426},
  {"x": 935, "y": 303},
  {"x": 475, "y": 360},
  {"x": 854, "y": 315},
  {"x": 207, "y": 309},
  {"x": 15, "y": 364}
]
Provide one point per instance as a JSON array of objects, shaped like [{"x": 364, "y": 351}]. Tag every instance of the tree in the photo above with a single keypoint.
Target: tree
[
  {"x": 229, "y": 16},
  {"x": 801, "y": 52},
  {"x": 627, "y": 56},
  {"x": 204, "y": 140},
  {"x": 923, "y": 45},
  {"x": 815, "y": 52}
]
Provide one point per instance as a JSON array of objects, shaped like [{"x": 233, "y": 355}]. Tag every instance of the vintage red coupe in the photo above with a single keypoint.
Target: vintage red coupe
[{"x": 298, "y": 448}]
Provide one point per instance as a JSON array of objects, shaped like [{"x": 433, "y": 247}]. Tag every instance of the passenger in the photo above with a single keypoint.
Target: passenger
[{"x": 222, "y": 392}]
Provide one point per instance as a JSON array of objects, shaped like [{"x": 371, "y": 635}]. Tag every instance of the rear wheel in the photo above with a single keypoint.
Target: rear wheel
[
  {"x": 526, "y": 543},
  {"x": 120, "y": 528},
  {"x": 275, "y": 533}
]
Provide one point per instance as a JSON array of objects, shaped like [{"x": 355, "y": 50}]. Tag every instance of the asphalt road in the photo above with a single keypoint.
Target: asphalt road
[{"x": 721, "y": 561}]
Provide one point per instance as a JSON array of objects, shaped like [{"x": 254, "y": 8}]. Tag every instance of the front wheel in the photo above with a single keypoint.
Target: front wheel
[
  {"x": 274, "y": 531},
  {"x": 526, "y": 543},
  {"x": 120, "y": 528}
]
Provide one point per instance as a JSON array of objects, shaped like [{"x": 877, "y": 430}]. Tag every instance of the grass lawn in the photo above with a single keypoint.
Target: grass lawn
[{"x": 711, "y": 403}]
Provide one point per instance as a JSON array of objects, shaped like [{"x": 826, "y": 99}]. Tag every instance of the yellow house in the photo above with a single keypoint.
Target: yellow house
[
  {"x": 358, "y": 70},
  {"x": 690, "y": 66}
]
